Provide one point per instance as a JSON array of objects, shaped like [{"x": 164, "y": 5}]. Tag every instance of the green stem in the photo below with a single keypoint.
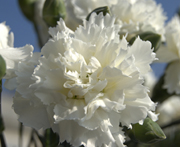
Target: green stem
[
  {"x": 32, "y": 139},
  {"x": 38, "y": 35},
  {"x": 51, "y": 138},
  {"x": 3, "y": 144},
  {"x": 20, "y": 134}
]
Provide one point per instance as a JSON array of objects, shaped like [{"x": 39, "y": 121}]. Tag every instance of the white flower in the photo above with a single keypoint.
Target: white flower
[
  {"x": 169, "y": 110},
  {"x": 170, "y": 53},
  {"x": 87, "y": 83},
  {"x": 137, "y": 16},
  {"x": 134, "y": 16},
  {"x": 11, "y": 55},
  {"x": 30, "y": 109}
]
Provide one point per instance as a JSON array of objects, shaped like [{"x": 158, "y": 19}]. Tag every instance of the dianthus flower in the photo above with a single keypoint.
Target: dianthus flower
[
  {"x": 11, "y": 55},
  {"x": 88, "y": 84},
  {"x": 138, "y": 16},
  {"x": 134, "y": 16},
  {"x": 170, "y": 53}
]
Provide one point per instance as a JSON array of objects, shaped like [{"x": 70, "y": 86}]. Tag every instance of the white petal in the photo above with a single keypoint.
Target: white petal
[
  {"x": 172, "y": 77},
  {"x": 165, "y": 55},
  {"x": 35, "y": 117}
]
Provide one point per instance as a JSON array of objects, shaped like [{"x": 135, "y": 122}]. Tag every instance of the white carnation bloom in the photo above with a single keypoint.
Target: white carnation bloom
[
  {"x": 11, "y": 55},
  {"x": 134, "y": 16},
  {"x": 87, "y": 83},
  {"x": 170, "y": 53},
  {"x": 137, "y": 16}
]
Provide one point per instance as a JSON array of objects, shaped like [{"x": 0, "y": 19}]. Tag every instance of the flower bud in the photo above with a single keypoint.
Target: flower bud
[
  {"x": 98, "y": 10},
  {"x": 2, "y": 67},
  {"x": 53, "y": 10},
  {"x": 148, "y": 133},
  {"x": 27, "y": 7},
  {"x": 155, "y": 39}
]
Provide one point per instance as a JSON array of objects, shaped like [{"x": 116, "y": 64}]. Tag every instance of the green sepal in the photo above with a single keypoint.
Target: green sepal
[
  {"x": 53, "y": 10},
  {"x": 154, "y": 38},
  {"x": 2, "y": 67},
  {"x": 27, "y": 7},
  {"x": 172, "y": 139},
  {"x": 148, "y": 133},
  {"x": 98, "y": 10}
]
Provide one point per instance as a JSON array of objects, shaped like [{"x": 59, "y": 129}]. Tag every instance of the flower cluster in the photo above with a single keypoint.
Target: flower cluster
[{"x": 87, "y": 84}]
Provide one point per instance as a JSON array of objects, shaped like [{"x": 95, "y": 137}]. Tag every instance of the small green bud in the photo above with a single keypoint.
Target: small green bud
[
  {"x": 105, "y": 10},
  {"x": 2, "y": 67},
  {"x": 27, "y": 7},
  {"x": 148, "y": 133},
  {"x": 53, "y": 10},
  {"x": 155, "y": 39}
]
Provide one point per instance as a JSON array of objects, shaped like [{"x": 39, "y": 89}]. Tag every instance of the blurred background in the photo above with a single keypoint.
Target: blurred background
[{"x": 24, "y": 33}]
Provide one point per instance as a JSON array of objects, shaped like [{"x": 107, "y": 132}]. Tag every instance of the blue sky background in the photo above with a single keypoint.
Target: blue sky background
[{"x": 24, "y": 32}]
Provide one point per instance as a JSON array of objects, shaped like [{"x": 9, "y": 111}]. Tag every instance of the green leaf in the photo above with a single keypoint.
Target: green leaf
[
  {"x": 27, "y": 7},
  {"x": 53, "y": 10},
  {"x": 2, "y": 67},
  {"x": 148, "y": 133},
  {"x": 98, "y": 10},
  {"x": 155, "y": 39}
]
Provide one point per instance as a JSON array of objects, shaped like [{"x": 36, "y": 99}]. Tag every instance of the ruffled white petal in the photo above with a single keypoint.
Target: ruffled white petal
[
  {"x": 86, "y": 83},
  {"x": 11, "y": 55},
  {"x": 172, "y": 77}
]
